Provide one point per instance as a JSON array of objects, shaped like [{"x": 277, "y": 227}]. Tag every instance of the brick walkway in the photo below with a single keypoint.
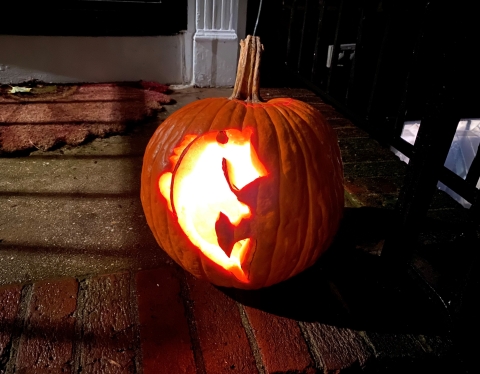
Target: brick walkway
[
  {"x": 182, "y": 325},
  {"x": 346, "y": 314}
]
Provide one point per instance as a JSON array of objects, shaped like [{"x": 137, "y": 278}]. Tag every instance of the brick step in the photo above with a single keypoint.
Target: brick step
[
  {"x": 165, "y": 321},
  {"x": 70, "y": 326}
]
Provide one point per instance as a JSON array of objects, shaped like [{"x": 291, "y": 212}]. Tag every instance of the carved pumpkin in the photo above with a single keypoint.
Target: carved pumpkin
[{"x": 241, "y": 192}]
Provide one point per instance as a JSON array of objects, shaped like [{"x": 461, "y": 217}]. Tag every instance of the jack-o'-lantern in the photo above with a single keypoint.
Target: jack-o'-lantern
[{"x": 241, "y": 192}]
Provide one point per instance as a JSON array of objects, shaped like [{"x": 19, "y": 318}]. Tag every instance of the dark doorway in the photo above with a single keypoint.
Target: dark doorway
[{"x": 95, "y": 17}]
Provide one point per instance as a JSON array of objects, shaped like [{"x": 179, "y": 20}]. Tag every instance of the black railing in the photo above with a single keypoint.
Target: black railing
[{"x": 383, "y": 63}]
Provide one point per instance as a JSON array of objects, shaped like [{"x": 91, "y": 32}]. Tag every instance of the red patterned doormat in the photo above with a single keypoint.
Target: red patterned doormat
[{"x": 48, "y": 116}]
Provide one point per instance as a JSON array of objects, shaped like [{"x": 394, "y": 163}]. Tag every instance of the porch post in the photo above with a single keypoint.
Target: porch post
[{"x": 220, "y": 24}]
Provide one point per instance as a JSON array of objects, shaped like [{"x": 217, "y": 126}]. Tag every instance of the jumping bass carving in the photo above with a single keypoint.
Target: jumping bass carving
[
  {"x": 241, "y": 192},
  {"x": 211, "y": 175}
]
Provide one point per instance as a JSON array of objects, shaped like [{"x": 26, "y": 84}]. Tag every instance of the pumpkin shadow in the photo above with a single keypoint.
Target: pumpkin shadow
[{"x": 351, "y": 286}]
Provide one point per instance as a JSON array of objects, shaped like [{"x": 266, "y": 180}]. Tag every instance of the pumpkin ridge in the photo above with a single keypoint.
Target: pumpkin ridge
[
  {"x": 180, "y": 124},
  {"x": 312, "y": 241},
  {"x": 289, "y": 133},
  {"x": 147, "y": 194},
  {"x": 171, "y": 138},
  {"x": 329, "y": 133},
  {"x": 210, "y": 102},
  {"x": 258, "y": 129},
  {"x": 290, "y": 116},
  {"x": 151, "y": 149},
  {"x": 217, "y": 115},
  {"x": 314, "y": 254},
  {"x": 275, "y": 253},
  {"x": 306, "y": 114},
  {"x": 155, "y": 223},
  {"x": 274, "y": 102},
  {"x": 237, "y": 116},
  {"x": 193, "y": 106},
  {"x": 172, "y": 251}
]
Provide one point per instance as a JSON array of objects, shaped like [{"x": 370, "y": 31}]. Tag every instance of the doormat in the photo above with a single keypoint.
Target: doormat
[{"x": 44, "y": 116}]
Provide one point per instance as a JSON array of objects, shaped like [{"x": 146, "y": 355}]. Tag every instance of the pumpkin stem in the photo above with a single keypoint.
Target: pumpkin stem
[{"x": 247, "y": 83}]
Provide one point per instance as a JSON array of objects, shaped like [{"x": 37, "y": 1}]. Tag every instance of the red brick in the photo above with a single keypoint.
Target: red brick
[
  {"x": 351, "y": 201},
  {"x": 165, "y": 339},
  {"x": 298, "y": 93},
  {"x": 335, "y": 348},
  {"x": 321, "y": 106},
  {"x": 9, "y": 305},
  {"x": 350, "y": 132},
  {"x": 269, "y": 93},
  {"x": 281, "y": 343},
  {"x": 311, "y": 100},
  {"x": 301, "y": 92},
  {"x": 378, "y": 185},
  {"x": 354, "y": 187},
  {"x": 364, "y": 154},
  {"x": 46, "y": 345},
  {"x": 223, "y": 340},
  {"x": 109, "y": 337},
  {"x": 337, "y": 123},
  {"x": 375, "y": 169},
  {"x": 378, "y": 201}
]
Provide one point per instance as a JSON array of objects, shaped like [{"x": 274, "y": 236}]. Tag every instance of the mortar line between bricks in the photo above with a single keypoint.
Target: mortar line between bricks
[
  {"x": 78, "y": 343},
  {"x": 352, "y": 199},
  {"x": 369, "y": 343},
  {"x": 251, "y": 339},
  {"x": 312, "y": 347},
  {"x": 136, "y": 318},
  {"x": 420, "y": 339},
  {"x": 192, "y": 326},
  {"x": 19, "y": 327},
  {"x": 416, "y": 342},
  {"x": 372, "y": 162}
]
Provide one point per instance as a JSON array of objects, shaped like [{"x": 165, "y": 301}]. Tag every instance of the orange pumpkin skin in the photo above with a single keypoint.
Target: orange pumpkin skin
[{"x": 299, "y": 203}]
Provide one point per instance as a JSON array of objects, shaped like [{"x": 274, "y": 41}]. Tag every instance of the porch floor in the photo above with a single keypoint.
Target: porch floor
[{"x": 85, "y": 288}]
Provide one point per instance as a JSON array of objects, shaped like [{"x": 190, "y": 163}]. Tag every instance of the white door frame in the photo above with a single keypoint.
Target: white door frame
[
  {"x": 216, "y": 27},
  {"x": 204, "y": 55}
]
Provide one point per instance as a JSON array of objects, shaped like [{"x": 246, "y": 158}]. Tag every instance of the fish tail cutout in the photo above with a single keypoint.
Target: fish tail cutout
[
  {"x": 249, "y": 194},
  {"x": 225, "y": 231}
]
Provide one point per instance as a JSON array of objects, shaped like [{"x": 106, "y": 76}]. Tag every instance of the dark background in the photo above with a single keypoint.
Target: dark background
[{"x": 93, "y": 17}]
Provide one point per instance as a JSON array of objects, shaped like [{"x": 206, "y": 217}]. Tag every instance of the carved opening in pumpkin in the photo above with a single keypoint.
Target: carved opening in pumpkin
[{"x": 212, "y": 191}]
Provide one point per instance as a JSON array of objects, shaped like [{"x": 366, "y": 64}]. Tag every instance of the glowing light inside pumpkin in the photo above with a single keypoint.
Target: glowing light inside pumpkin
[{"x": 208, "y": 173}]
